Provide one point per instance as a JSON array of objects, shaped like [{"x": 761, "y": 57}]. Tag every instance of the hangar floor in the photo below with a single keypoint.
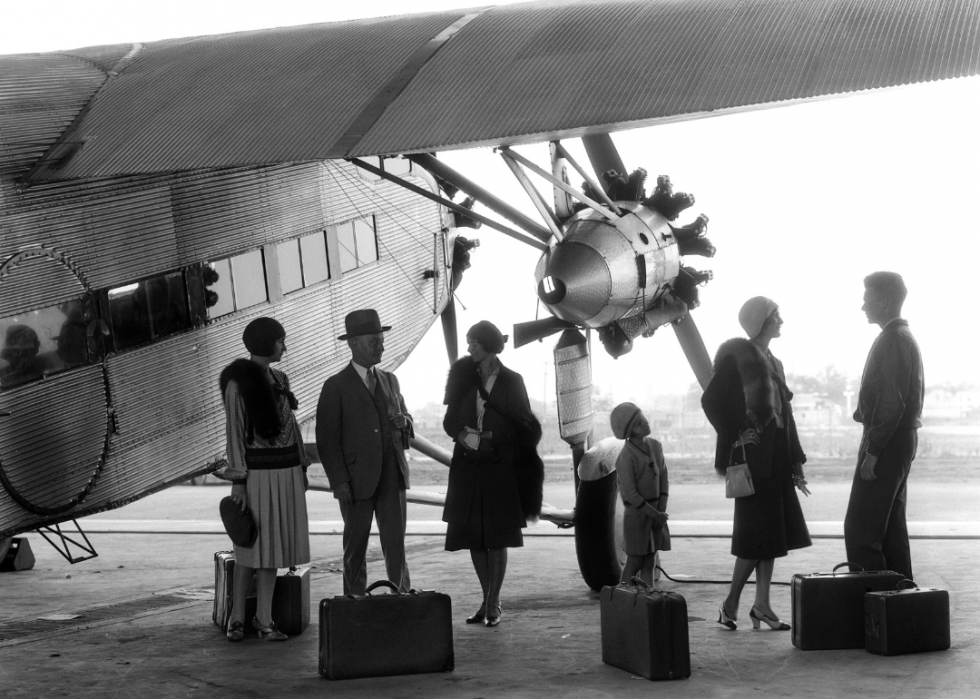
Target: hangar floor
[{"x": 136, "y": 622}]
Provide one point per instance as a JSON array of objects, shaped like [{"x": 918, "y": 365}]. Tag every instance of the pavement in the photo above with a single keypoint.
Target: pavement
[{"x": 136, "y": 620}]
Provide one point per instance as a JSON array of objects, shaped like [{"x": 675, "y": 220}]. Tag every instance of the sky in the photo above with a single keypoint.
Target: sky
[{"x": 804, "y": 201}]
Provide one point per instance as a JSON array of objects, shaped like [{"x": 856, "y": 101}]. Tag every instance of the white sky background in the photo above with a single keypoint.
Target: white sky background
[{"x": 803, "y": 201}]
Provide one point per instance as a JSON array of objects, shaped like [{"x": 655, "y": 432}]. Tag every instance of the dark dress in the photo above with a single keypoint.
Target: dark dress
[
  {"x": 769, "y": 523},
  {"x": 483, "y": 506}
]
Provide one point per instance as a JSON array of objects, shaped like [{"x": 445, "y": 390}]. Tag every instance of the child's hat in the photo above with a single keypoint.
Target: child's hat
[{"x": 622, "y": 419}]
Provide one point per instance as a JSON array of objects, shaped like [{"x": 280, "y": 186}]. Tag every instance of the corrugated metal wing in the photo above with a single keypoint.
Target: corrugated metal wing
[{"x": 511, "y": 74}]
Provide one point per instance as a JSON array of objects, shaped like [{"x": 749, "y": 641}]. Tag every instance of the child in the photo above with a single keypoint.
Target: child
[{"x": 643, "y": 486}]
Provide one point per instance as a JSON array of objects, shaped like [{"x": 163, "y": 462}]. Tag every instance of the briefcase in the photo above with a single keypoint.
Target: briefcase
[
  {"x": 828, "y": 608},
  {"x": 906, "y": 620},
  {"x": 645, "y": 632},
  {"x": 393, "y": 634},
  {"x": 290, "y": 599},
  {"x": 18, "y": 556}
]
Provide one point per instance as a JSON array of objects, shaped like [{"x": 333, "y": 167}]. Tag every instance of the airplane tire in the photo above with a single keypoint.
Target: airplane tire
[{"x": 598, "y": 531}]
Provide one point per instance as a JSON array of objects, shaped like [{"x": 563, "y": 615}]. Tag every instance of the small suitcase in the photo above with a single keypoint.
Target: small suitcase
[
  {"x": 290, "y": 599},
  {"x": 906, "y": 620},
  {"x": 393, "y": 634},
  {"x": 645, "y": 632},
  {"x": 18, "y": 556},
  {"x": 828, "y": 608}
]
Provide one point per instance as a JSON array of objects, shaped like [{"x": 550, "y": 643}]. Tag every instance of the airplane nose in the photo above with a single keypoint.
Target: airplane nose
[{"x": 576, "y": 283}]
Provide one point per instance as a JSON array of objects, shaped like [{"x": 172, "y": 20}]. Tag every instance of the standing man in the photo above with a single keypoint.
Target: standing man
[
  {"x": 889, "y": 406},
  {"x": 362, "y": 431}
]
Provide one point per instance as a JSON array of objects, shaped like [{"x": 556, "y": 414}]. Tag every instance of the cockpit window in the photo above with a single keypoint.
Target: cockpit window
[{"x": 46, "y": 341}]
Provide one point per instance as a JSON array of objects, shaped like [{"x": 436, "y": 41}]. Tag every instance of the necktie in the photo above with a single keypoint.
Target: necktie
[{"x": 371, "y": 381}]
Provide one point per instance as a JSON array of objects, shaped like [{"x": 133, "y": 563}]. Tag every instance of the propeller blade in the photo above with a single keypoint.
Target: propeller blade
[
  {"x": 525, "y": 333},
  {"x": 448, "y": 318},
  {"x": 689, "y": 337},
  {"x": 603, "y": 154}
]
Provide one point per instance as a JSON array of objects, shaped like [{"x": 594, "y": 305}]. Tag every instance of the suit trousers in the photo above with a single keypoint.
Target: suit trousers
[
  {"x": 876, "y": 535},
  {"x": 389, "y": 506}
]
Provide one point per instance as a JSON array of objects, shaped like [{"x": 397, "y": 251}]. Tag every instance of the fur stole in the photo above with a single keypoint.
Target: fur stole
[
  {"x": 528, "y": 467},
  {"x": 757, "y": 379},
  {"x": 260, "y": 398}
]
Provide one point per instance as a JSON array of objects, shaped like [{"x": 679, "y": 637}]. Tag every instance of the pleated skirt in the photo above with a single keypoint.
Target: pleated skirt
[{"x": 277, "y": 501}]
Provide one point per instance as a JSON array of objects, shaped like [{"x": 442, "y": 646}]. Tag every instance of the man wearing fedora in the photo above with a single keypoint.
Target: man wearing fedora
[{"x": 362, "y": 431}]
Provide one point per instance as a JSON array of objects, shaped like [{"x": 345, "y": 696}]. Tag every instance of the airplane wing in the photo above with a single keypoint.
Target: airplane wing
[{"x": 488, "y": 76}]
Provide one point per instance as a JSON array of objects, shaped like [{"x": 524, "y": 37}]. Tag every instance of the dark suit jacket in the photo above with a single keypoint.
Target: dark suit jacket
[{"x": 348, "y": 431}]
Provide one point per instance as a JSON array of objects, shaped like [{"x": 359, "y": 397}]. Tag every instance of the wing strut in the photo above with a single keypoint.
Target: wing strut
[{"x": 454, "y": 206}]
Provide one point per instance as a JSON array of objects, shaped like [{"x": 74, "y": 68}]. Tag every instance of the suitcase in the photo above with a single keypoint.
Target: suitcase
[
  {"x": 393, "y": 634},
  {"x": 828, "y": 608},
  {"x": 18, "y": 556},
  {"x": 645, "y": 632},
  {"x": 906, "y": 620},
  {"x": 290, "y": 599}
]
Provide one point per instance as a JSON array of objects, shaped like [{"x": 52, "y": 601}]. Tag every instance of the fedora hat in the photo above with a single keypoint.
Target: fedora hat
[{"x": 363, "y": 322}]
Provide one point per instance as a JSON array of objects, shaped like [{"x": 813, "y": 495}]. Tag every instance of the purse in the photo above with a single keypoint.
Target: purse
[
  {"x": 738, "y": 478},
  {"x": 238, "y": 523}
]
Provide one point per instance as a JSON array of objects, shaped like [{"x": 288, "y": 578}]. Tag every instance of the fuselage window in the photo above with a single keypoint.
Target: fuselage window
[
  {"x": 370, "y": 176},
  {"x": 290, "y": 266},
  {"x": 148, "y": 310},
  {"x": 47, "y": 341},
  {"x": 401, "y": 167},
  {"x": 235, "y": 283},
  {"x": 357, "y": 242},
  {"x": 316, "y": 266}
]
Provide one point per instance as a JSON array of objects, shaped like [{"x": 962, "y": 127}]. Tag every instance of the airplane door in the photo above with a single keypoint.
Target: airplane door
[{"x": 55, "y": 438}]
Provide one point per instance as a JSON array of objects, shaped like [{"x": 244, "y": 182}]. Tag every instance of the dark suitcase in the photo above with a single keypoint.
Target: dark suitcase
[
  {"x": 828, "y": 608},
  {"x": 906, "y": 620},
  {"x": 393, "y": 634},
  {"x": 18, "y": 556},
  {"x": 290, "y": 599},
  {"x": 645, "y": 632}
]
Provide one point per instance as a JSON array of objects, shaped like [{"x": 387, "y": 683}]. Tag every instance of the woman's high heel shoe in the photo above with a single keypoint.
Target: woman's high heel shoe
[
  {"x": 724, "y": 619},
  {"x": 493, "y": 619},
  {"x": 774, "y": 624},
  {"x": 268, "y": 633},
  {"x": 236, "y": 631},
  {"x": 480, "y": 615}
]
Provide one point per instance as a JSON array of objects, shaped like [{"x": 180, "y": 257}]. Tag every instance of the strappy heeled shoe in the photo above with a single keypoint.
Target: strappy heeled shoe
[
  {"x": 480, "y": 615},
  {"x": 493, "y": 619},
  {"x": 724, "y": 619},
  {"x": 268, "y": 633},
  {"x": 236, "y": 631},
  {"x": 774, "y": 624}
]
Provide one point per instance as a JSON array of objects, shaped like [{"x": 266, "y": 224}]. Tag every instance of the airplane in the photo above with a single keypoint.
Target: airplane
[{"x": 154, "y": 198}]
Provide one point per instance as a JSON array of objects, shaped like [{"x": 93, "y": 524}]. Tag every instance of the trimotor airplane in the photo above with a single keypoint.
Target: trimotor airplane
[{"x": 154, "y": 198}]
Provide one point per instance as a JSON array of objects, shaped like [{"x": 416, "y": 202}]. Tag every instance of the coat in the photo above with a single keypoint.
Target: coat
[
  {"x": 742, "y": 394},
  {"x": 497, "y": 481},
  {"x": 348, "y": 431}
]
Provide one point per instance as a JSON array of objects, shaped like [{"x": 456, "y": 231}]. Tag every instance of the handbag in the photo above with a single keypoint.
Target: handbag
[
  {"x": 738, "y": 478},
  {"x": 238, "y": 523}
]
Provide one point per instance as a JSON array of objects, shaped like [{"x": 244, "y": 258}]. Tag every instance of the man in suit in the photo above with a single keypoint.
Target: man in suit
[
  {"x": 889, "y": 406},
  {"x": 362, "y": 431}
]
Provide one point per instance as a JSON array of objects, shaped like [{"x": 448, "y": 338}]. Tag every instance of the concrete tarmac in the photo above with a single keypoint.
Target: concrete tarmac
[{"x": 136, "y": 622}]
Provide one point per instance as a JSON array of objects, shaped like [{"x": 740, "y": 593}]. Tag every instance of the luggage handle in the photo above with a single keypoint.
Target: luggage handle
[
  {"x": 382, "y": 583},
  {"x": 898, "y": 585},
  {"x": 848, "y": 563}
]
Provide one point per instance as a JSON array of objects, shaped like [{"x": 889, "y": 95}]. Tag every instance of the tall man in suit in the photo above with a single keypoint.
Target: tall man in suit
[
  {"x": 889, "y": 407},
  {"x": 362, "y": 431}
]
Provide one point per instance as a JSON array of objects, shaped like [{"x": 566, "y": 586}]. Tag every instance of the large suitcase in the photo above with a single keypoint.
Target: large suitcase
[
  {"x": 906, "y": 620},
  {"x": 290, "y": 599},
  {"x": 645, "y": 632},
  {"x": 393, "y": 634},
  {"x": 828, "y": 608}
]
